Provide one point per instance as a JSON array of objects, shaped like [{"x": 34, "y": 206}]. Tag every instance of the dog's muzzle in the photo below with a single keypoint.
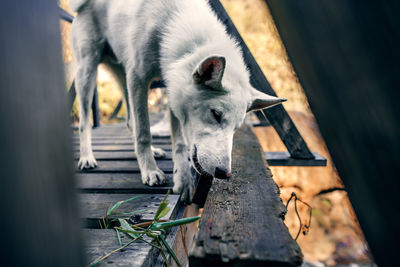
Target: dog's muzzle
[
  {"x": 220, "y": 173},
  {"x": 196, "y": 163}
]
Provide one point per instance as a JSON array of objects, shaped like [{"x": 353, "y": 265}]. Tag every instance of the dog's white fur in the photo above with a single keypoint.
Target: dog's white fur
[{"x": 182, "y": 42}]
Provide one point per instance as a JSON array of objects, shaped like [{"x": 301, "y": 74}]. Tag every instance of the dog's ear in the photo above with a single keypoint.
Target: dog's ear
[
  {"x": 210, "y": 71},
  {"x": 260, "y": 100}
]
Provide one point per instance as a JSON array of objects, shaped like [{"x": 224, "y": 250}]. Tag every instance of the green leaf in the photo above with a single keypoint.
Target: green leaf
[
  {"x": 162, "y": 251},
  {"x": 125, "y": 226},
  {"x": 162, "y": 209},
  {"x": 170, "y": 250},
  {"x": 162, "y": 213},
  {"x": 119, "y": 237},
  {"x": 116, "y": 205},
  {"x": 164, "y": 225}
]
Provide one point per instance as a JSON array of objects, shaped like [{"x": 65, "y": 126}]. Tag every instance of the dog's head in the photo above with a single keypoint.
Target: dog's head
[{"x": 210, "y": 106}]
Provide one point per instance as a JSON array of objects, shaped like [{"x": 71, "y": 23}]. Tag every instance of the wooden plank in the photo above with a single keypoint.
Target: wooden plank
[
  {"x": 119, "y": 147},
  {"x": 121, "y": 139},
  {"x": 109, "y": 137},
  {"x": 283, "y": 158},
  {"x": 64, "y": 15},
  {"x": 277, "y": 115},
  {"x": 93, "y": 206},
  {"x": 119, "y": 136},
  {"x": 98, "y": 242},
  {"x": 347, "y": 58},
  {"x": 119, "y": 182},
  {"x": 126, "y": 166},
  {"x": 118, "y": 155},
  {"x": 242, "y": 224},
  {"x": 118, "y": 140},
  {"x": 40, "y": 222}
]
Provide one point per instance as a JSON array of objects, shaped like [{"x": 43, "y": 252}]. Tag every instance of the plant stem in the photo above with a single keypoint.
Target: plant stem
[{"x": 100, "y": 259}]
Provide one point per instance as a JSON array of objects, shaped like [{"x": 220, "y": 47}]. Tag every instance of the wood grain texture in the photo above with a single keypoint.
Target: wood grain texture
[
  {"x": 242, "y": 222},
  {"x": 117, "y": 155},
  {"x": 99, "y": 242},
  {"x": 101, "y": 140},
  {"x": 347, "y": 56},
  {"x": 125, "y": 166},
  {"x": 119, "y": 147},
  {"x": 119, "y": 182}
]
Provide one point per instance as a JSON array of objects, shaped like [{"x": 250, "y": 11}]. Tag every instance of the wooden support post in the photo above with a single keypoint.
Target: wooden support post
[
  {"x": 346, "y": 55},
  {"x": 39, "y": 225},
  {"x": 116, "y": 110},
  {"x": 277, "y": 115},
  {"x": 242, "y": 222}
]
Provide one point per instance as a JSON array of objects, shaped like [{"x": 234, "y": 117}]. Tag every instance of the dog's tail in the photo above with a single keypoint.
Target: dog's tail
[{"x": 76, "y": 5}]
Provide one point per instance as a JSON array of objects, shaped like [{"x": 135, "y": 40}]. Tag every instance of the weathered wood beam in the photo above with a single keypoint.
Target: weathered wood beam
[
  {"x": 283, "y": 158},
  {"x": 242, "y": 221},
  {"x": 64, "y": 15},
  {"x": 346, "y": 54},
  {"x": 127, "y": 183},
  {"x": 125, "y": 166},
  {"x": 118, "y": 147},
  {"x": 98, "y": 242}
]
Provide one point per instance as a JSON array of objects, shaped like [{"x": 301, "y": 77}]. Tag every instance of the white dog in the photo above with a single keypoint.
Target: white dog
[{"x": 182, "y": 42}]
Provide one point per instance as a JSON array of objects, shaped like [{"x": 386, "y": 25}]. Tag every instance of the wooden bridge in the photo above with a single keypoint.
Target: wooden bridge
[
  {"x": 242, "y": 221},
  {"x": 256, "y": 208},
  {"x": 245, "y": 214},
  {"x": 118, "y": 178}
]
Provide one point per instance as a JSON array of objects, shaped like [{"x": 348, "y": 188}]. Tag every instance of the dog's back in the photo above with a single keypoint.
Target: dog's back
[{"x": 134, "y": 28}]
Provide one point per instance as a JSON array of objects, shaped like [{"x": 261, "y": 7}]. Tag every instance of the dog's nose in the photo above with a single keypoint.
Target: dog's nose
[{"x": 222, "y": 173}]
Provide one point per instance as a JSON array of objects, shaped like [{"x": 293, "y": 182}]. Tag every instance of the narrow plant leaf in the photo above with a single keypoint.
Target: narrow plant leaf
[
  {"x": 164, "y": 225},
  {"x": 161, "y": 208},
  {"x": 125, "y": 225},
  {"x": 119, "y": 203},
  {"x": 162, "y": 252},
  {"x": 170, "y": 250},
  {"x": 131, "y": 232},
  {"x": 163, "y": 213},
  {"x": 100, "y": 259},
  {"x": 119, "y": 237}
]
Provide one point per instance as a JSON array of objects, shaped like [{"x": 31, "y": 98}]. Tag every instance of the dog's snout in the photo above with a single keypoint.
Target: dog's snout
[{"x": 222, "y": 173}]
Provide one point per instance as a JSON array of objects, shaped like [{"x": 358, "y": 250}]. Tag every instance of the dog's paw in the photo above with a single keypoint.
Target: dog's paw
[
  {"x": 158, "y": 153},
  {"x": 153, "y": 177},
  {"x": 184, "y": 184},
  {"x": 87, "y": 162}
]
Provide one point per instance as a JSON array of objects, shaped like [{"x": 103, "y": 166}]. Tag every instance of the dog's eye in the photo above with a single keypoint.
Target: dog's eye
[{"x": 217, "y": 115}]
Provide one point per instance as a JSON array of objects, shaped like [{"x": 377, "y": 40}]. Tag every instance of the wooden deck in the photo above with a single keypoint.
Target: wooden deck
[
  {"x": 116, "y": 178},
  {"x": 241, "y": 216}
]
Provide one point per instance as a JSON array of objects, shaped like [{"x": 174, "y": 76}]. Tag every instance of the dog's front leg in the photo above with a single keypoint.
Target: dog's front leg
[
  {"x": 137, "y": 94},
  {"x": 183, "y": 178},
  {"x": 85, "y": 83}
]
